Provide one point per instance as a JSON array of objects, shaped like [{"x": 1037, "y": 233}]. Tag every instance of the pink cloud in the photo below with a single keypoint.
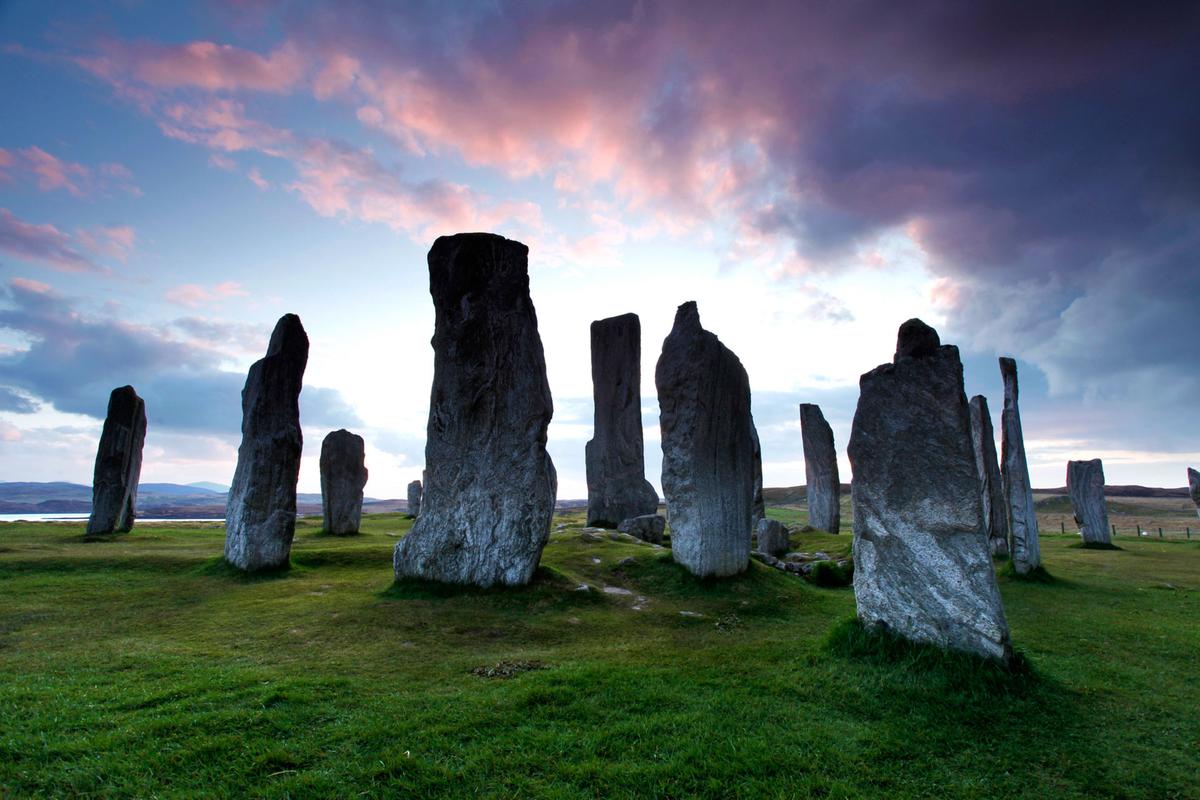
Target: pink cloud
[
  {"x": 204, "y": 65},
  {"x": 222, "y": 162},
  {"x": 257, "y": 179},
  {"x": 51, "y": 173},
  {"x": 29, "y": 285},
  {"x": 43, "y": 243},
  {"x": 112, "y": 241},
  {"x": 194, "y": 295}
]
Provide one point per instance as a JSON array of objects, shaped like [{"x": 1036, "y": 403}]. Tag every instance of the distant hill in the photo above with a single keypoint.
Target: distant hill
[{"x": 215, "y": 487}]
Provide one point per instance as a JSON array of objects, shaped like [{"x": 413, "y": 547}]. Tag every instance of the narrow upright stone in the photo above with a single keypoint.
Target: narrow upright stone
[
  {"x": 758, "y": 508},
  {"x": 823, "y": 488},
  {"x": 1194, "y": 487},
  {"x": 1014, "y": 472},
  {"x": 921, "y": 563},
  {"x": 615, "y": 457},
  {"x": 118, "y": 464},
  {"x": 260, "y": 514},
  {"x": 983, "y": 438},
  {"x": 708, "y": 448},
  {"x": 414, "y": 499},
  {"x": 489, "y": 496},
  {"x": 1085, "y": 486},
  {"x": 343, "y": 476}
]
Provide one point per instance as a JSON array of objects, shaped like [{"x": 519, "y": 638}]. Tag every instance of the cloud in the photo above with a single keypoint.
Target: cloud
[
  {"x": 17, "y": 402},
  {"x": 51, "y": 173},
  {"x": 199, "y": 64},
  {"x": 115, "y": 241},
  {"x": 44, "y": 244},
  {"x": 75, "y": 359},
  {"x": 193, "y": 295}
]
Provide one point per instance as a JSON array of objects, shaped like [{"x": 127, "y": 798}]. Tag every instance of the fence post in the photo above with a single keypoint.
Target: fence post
[
  {"x": 1114, "y": 527},
  {"x": 1189, "y": 532},
  {"x": 1062, "y": 525},
  {"x": 1160, "y": 533}
]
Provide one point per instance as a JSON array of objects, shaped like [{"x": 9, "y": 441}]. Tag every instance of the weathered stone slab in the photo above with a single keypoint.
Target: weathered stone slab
[
  {"x": 1194, "y": 487},
  {"x": 823, "y": 487},
  {"x": 647, "y": 527},
  {"x": 991, "y": 489},
  {"x": 615, "y": 457},
  {"x": 489, "y": 496},
  {"x": 414, "y": 499},
  {"x": 1085, "y": 486},
  {"x": 758, "y": 508},
  {"x": 343, "y": 476},
  {"x": 708, "y": 448},
  {"x": 260, "y": 514},
  {"x": 921, "y": 562},
  {"x": 118, "y": 464},
  {"x": 1014, "y": 474},
  {"x": 771, "y": 536}
]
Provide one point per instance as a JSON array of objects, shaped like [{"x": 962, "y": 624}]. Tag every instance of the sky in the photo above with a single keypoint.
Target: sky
[{"x": 175, "y": 177}]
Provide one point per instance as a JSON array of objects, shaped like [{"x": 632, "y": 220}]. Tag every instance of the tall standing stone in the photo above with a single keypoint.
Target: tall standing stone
[
  {"x": 708, "y": 448},
  {"x": 1194, "y": 487},
  {"x": 615, "y": 457},
  {"x": 118, "y": 464},
  {"x": 823, "y": 489},
  {"x": 414, "y": 499},
  {"x": 758, "y": 508},
  {"x": 260, "y": 514},
  {"x": 921, "y": 563},
  {"x": 343, "y": 476},
  {"x": 991, "y": 489},
  {"x": 489, "y": 496},
  {"x": 1085, "y": 486},
  {"x": 1014, "y": 472}
]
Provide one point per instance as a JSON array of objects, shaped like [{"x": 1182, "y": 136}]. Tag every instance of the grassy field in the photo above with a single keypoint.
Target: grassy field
[{"x": 142, "y": 666}]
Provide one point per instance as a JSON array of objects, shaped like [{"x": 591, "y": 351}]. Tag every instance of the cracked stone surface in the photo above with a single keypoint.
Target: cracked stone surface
[
  {"x": 1023, "y": 544},
  {"x": 1085, "y": 486}
]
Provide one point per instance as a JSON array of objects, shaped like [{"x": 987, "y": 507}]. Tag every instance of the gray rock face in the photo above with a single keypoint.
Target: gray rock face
[
  {"x": 983, "y": 439},
  {"x": 647, "y": 527},
  {"x": 1085, "y": 486},
  {"x": 921, "y": 562},
  {"x": 772, "y": 537},
  {"x": 615, "y": 457},
  {"x": 343, "y": 476},
  {"x": 823, "y": 487},
  {"x": 1194, "y": 487},
  {"x": 758, "y": 507},
  {"x": 260, "y": 514},
  {"x": 414, "y": 499},
  {"x": 708, "y": 448},
  {"x": 118, "y": 464},
  {"x": 489, "y": 496},
  {"x": 1014, "y": 473}
]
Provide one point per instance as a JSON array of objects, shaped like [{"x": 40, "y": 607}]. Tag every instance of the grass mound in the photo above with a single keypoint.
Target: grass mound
[{"x": 831, "y": 574}]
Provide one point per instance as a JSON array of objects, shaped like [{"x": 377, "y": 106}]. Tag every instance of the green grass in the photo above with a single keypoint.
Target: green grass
[{"x": 143, "y": 666}]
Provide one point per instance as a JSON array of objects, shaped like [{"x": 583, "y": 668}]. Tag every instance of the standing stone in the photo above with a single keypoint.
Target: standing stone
[
  {"x": 615, "y": 457},
  {"x": 343, "y": 476},
  {"x": 648, "y": 527},
  {"x": 489, "y": 496},
  {"x": 758, "y": 508},
  {"x": 414, "y": 499},
  {"x": 708, "y": 448},
  {"x": 1014, "y": 473},
  {"x": 1085, "y": 485},
  {"x": 921, "y": 563},
  {"x": 772, "y": 537},
  {"x": 118, "y": 464},
  {"x": 260, "y": 515},
  {"x": 983, "y": 439},
  {"x": 823, "y": 489},
  {"x": 1194, "y": 487}
]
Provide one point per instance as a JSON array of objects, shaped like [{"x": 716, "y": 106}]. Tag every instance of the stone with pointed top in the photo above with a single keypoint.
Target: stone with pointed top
[
  {"x": 991, "y": 490},
  {"x": 118, "y": 464},
  {"x": 1023, "y": 543},
  {"x": 615, "y": 456},
  {"x": 1085, "y": 487},
  {"x": 823, "y": 489},
  {"x": 343, "y": 476},
  {"x": 489, "y": 497},
  {"x": 708, "y": 448},
  {"x": 260, "y": 514},
  {"x": 922, "y": 567}
]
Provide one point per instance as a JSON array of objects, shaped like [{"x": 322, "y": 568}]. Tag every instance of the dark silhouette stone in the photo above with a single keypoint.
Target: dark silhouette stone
[
  {"x": 647, "y": 527},
  {"x": 343, "y": 476},
  {"x": 758, "y": 507},
  {"x": 1194, "y": 487},
  {"x": 615, "y": 457},
  {"x": 983, "y": 439},
  {"x": 118, "y": 464},
  {"x": 708, "y": 448},
  {"x": 414, "y": 499},
  {"x": 1085, "y": 486},
  {"x": 772, "y": 537},
  {"x": 916, "y": 340},
  {"x": 489, "y": 495},
  {"x": 921, "y": 562},
  {"x": 1024, "y": 548},
  {"x": 823, "y": 488},
  {"x": 260, "y": 514}
]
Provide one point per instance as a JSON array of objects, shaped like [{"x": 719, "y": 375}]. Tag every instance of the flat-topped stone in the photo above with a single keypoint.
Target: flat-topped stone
[
  {"x": 647, "y": 527},
  {"x": 1085, "y": 487},
  {"x": 343, "y": 477}
]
